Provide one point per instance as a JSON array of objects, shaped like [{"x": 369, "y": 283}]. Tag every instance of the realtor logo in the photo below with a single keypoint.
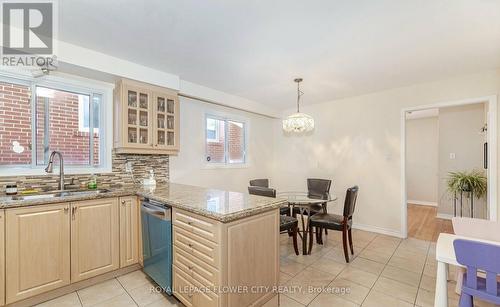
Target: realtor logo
[{"x": 28, "y": 28}]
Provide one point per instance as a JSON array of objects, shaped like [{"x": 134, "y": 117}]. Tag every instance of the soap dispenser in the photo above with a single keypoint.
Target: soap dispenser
[{"x": 151, "y": 181}]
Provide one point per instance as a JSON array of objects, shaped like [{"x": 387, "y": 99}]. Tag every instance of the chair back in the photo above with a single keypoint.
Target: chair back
[
  {"x": 479, "y": 256},
  {"x": 350, "y": 201},
  {"x": 261, "y": 191},
  {"x": 476, "y": 228},
  {"x": 318, "y": 188},
  {"x": 259, "y": 183}
]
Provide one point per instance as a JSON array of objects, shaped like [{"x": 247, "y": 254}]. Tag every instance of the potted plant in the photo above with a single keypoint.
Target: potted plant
[{"x": 473, "y": 183}]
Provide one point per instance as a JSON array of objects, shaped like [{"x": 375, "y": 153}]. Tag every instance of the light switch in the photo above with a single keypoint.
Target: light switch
[{"x": 452, "y": 155}]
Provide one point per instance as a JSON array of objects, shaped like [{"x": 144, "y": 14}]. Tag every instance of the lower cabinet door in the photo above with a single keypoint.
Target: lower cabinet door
[
  {"x": 37, "y": 250},
  {"x": 190, "y": 292},
  {"x": 129, "y": 231},
  {"x": 94, "y": 238}
]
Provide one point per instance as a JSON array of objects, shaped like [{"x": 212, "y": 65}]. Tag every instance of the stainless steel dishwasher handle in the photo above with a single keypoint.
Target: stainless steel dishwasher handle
[{"x": 159, "y": 212}]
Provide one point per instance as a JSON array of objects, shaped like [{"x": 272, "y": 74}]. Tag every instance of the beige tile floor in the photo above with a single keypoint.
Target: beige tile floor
[{"x": 384, "y": 272}]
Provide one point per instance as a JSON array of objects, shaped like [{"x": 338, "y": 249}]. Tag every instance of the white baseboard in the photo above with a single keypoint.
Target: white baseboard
[
  {"x": 444, "y": 216},
  {"x": 377, "y": 229},
  {"x": 422, "y": 203}
]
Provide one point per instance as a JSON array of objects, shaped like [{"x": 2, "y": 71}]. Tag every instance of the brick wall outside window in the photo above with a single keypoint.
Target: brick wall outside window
[
  {"x": 235, "y": 144},
  {"x": 15, "y": 123}
]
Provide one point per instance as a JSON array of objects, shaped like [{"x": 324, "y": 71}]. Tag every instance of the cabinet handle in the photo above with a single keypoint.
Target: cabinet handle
[
  {"x": 73, "y": 211},
  {"x": 190, "y": 223},
  {"x": 190, "y": 268},
  {"x": 190, "y": 245},
  {"x": 123, "y": 202},
  {"x": 66, "y": 210}
]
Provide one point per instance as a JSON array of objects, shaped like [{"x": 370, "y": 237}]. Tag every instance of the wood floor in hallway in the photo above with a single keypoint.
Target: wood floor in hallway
[{"x": 424, "y": 225}]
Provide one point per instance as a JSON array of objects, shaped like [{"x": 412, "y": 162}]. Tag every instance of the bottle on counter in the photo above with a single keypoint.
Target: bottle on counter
[
  {"x": 11, "y": 189},
  {"x": 92, "y": 185}
]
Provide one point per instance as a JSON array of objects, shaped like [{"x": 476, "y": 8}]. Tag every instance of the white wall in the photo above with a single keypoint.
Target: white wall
[
  {"x": 358, "y": 141},
  {"x": 190, "y": 166},
  {"x": 459, "y": 134},
  {"x": 422, "y": 160}
]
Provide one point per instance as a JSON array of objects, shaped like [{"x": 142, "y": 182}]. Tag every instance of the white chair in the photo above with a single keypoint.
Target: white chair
[{"x": 474, "y": 228}]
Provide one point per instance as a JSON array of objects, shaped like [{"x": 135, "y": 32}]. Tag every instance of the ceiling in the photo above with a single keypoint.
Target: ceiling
[{"x": 254, "y": 49}]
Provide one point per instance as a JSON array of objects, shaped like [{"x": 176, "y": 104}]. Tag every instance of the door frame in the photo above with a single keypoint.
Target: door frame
[{"x": 492, "y": 153}]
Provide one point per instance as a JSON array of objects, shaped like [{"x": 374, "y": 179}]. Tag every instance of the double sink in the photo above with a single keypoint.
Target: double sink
[{"x": 58, "y": 194}]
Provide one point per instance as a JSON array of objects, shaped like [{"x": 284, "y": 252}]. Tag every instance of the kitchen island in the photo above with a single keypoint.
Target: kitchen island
[{"x": 225, "y": 244}]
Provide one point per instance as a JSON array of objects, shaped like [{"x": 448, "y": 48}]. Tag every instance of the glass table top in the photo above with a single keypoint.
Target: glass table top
[{"x": 303, "y": 198}]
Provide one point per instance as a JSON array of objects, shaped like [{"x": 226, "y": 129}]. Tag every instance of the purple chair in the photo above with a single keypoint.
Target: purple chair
[{"x": 479, "y": 256}]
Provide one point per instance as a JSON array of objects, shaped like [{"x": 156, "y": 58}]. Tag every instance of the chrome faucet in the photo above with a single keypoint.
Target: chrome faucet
[{"x": 50, "y": 167}]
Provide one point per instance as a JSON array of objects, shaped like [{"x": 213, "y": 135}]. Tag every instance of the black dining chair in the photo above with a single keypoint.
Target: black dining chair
[
  {"x": 259, "y": 183},
  {"x": 264, "y": 183},
  {"x": 317, "y": 189},
  {"x": 262, "y": 191},
  {"x": 288, "y": 224},
  {"x": 337, "y": 222}
]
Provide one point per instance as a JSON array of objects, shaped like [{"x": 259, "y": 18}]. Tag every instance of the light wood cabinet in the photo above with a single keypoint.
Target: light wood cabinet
[
  {"x": 37, "y": 250},
  {"x": 208, "y": 253},
  {"x": 129, "y": 231},
  {"x": 94, "y": 238},
  {"x": 146, "y": 119},
  {"x": 2, "y": 257}
]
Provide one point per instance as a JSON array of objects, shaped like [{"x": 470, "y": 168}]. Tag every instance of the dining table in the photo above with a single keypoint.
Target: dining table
[{"x": 304, "y": 202}]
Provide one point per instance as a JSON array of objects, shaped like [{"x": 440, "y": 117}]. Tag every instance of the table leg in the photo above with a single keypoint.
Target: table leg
[
  {"x": 306, "y": 233},
  {"x": 441, "y": 296},
  {"x": 305, "y": 229}
]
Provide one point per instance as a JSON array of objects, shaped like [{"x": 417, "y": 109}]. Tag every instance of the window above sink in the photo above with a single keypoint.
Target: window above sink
[{"x": 69, "y": 115}]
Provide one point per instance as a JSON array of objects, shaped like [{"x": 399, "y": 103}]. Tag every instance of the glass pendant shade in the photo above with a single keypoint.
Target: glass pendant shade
[{"x": 298, "y": 122}]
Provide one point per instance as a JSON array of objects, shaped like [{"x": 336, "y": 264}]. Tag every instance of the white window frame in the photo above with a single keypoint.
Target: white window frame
[
  {"x": 226, "y": 163},
  {"x": 70, "y": 83},
  {"x": 81, "y": 116},
  {"x": 216, "y": 139}
]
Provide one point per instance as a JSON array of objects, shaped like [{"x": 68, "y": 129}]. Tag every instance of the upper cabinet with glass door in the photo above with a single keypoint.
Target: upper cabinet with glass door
[
  {"x": 146, "y": 119},
  {"x": 166, "y": 110}
]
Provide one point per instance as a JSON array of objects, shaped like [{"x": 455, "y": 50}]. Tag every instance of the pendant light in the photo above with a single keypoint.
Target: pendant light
[{"x": 298, "y": 122}]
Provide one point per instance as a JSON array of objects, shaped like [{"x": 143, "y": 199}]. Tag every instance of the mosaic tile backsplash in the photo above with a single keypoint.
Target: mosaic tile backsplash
[{"x": 141, "y": 165}]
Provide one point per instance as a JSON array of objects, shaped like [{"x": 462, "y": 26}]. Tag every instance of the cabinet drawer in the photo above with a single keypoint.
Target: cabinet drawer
[
  {"x": 199, "y": 270},
  {"x": 198, "y": 225},
  {"x": 200, "y": 248},
  {"x": 192, "y": 293}
]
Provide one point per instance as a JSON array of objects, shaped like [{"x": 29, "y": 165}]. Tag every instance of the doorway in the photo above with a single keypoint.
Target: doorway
[{"x": 437, "y": 140}]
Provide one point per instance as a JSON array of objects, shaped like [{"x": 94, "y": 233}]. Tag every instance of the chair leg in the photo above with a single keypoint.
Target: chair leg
[
  {"x": 319, "y": 235},
  {"x": 294, "y": 238},
  {"x": 344, "y": 243},
  {"x": 466, "y": 300},
  {"x": 350, "y": 241},
  {"x": 311, "y": 228},
  {"x": 324, "y": 210}
]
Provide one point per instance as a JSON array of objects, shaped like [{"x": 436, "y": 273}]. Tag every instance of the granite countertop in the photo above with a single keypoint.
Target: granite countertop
[{"x": 223, "y": 206}]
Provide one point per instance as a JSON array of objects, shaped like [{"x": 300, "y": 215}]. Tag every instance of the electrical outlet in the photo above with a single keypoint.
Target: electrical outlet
[
  {"x": 128, "y": 167},
  {"x": 452, "y": 155}
]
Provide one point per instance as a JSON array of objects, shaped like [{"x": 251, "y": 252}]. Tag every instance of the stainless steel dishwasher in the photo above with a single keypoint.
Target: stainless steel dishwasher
[{"x": 157, "y": 242}]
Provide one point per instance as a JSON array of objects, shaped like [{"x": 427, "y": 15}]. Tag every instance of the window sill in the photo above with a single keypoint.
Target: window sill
[
  {"x": 27, "y": 171},
  {"x": 226, "y": 166}
]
